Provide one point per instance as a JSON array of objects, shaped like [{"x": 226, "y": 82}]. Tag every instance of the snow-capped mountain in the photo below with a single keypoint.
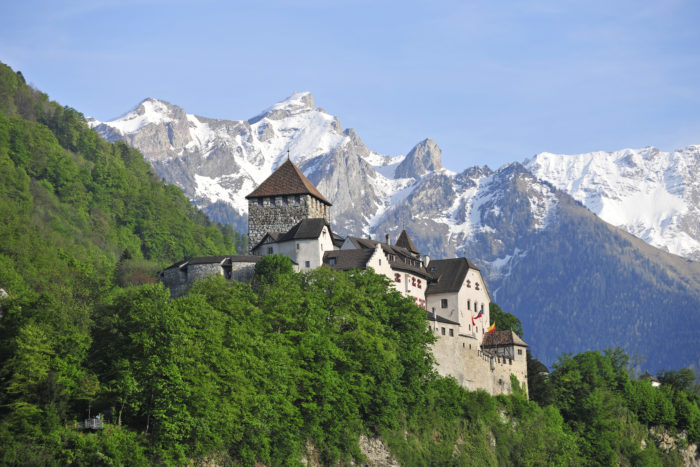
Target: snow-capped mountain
[
  {"x": 651, "y": 194},
  {"x": 218, "y": 162},
  {"x": 546, "y": 257}
]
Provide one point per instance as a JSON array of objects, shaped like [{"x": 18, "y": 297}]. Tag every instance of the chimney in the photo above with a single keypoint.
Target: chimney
[{"x": 387, "y": 239}]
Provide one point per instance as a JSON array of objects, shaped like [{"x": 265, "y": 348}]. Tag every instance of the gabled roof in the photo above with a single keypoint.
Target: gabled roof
[
  {"x": 304, "y": 229},
  {"x": 405, "y": 241},
  {"x": 402, "y": 258},
  {"x": 449, "y": 274},
  {"x": 337, "y": 240},
  {"x": 501, "y": 338},
  {"x": 287, "y": 180},
  {"x": 348, "y": 259}
]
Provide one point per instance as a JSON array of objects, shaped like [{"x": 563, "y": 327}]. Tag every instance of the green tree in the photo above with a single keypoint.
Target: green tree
[{"x": 504, "y": 320}]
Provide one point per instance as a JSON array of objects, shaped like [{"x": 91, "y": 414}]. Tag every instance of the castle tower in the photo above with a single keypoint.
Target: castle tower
[{"x": 285, "y": 198}]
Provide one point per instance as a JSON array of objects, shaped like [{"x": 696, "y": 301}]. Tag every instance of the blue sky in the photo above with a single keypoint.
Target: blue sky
[{"x": 491, "y": 82}]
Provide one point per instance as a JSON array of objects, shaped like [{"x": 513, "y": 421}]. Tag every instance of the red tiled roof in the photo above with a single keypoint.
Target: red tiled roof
[{"x": 287, "y": 180}]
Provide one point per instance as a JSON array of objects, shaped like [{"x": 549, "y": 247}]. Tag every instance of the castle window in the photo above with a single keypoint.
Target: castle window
[
  {"x": 443, "y": 331},
  {"x": 520, "y": 351},
  {"x": 260, "y": 202},
  {"x": 297, "y": 246},
  {"x": 413, "y": 281},
  {"x": 452, "y": 332},
  {"x": 307, "y": 264},
  {"x": 380, "y": 262},
  {"x": 443, "y": 303},
  {"x": 397, "y": 277},
  {"x": 510, "y": 361},
  {"x": 419, "y": 286},
  {"x": 270, "y": 250},
  {"x": 470, "y": 346},
  {"x": 469, "y": 304},
  {"x": 469, "y": 283},
  {"x": 476, "y": 286},
  {"x": 482, "y": 307},
  {"x": 332, "y": 262}
]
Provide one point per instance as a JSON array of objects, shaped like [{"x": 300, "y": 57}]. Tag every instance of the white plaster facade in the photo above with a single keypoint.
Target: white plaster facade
[
  {"x": 306, "y": 253},
  {"x": 463, "y": 304}
]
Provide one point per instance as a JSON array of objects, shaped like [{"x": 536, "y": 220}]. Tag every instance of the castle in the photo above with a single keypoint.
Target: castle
[{"x": 287, "y": 215}]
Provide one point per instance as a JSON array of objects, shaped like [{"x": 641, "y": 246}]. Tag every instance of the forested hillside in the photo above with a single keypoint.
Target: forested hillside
[{"x": 290, "y": 367}]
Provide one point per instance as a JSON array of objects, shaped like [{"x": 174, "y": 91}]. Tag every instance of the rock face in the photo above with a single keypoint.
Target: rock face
[
  {"x": 376, "y": 452},
  {"x": 3, "y": 294},
  {"x": 423, "y": 158},
  {"x": 575, "y": 281}
]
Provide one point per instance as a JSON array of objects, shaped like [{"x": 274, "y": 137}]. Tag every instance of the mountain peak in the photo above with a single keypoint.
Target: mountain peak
[
  {"x": 423, "y": 158},
  {"x": 149, "y": 110},
  {"x": 298, "y": 99},
  {"x": 297, "y": 103}
]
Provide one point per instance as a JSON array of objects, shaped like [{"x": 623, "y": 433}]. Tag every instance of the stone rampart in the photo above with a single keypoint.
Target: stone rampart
[{"x": 461, "y": 356}]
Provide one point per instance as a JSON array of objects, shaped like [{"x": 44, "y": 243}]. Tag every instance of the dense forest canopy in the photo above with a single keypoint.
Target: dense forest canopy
[{"x": 291, "y": 366}]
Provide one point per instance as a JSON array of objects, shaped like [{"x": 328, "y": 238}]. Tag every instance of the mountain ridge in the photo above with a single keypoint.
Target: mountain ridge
[{"x": 503, "y": 219}]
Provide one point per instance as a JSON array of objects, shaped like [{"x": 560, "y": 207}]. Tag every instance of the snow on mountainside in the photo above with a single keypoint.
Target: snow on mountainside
[
  {"x": 218, "y": 162},
  {"x": 654, "y": 195},
  {"x": 545, "y": 257}
]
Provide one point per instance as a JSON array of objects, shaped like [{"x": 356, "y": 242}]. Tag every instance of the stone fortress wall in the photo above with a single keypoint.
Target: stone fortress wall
[
  {"x": 461, "y": 356},
  {"x": 178, "y": 279},
  {"x": 281, "y": 213}
]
